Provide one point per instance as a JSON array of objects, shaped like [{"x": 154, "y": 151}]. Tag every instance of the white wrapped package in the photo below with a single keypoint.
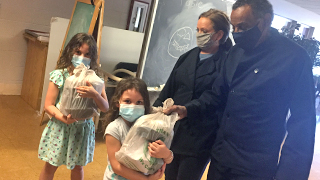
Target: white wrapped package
[
  {"x": 134, "y": 152},
  {"x": 71, "y": 103}
]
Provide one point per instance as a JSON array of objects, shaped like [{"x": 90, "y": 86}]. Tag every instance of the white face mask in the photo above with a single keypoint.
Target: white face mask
[
  {"x": 77, "y": 60},
  {"x": 131, "y": 112},
  {"x": 204, "y": 40}
]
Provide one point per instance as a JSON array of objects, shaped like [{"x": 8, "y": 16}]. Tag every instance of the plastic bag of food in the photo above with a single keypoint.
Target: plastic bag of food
[
  {"x": 134, "y": 151},
  {"x": 71, "y": 103}
]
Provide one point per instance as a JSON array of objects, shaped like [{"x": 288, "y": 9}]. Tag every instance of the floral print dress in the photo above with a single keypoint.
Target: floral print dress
[{"x": 63, "y": 144}]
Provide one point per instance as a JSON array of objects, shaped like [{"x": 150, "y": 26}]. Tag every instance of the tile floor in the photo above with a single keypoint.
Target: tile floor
[{"x": 20, "y": 134}]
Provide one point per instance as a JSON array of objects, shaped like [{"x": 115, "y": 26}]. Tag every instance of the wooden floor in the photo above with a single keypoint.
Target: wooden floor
[{"x": 19, "y": 139}]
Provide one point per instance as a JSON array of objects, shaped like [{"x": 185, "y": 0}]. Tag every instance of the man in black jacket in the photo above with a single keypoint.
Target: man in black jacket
[{"x": 265, "y": 78}]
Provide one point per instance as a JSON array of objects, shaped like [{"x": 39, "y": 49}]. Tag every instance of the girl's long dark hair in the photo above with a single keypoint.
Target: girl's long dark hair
[{"x": 73, "y": 45}]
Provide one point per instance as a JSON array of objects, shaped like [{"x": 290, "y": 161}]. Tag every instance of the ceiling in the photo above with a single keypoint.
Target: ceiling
[{"x": 311, "y": 5}]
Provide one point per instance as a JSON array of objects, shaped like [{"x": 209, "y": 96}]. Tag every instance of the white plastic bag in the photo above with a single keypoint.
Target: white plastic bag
[
  {"x": 134, "y": 151},
  {"x": 71, "y": 103}
]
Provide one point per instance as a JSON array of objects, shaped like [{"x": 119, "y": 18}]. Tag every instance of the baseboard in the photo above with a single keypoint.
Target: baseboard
[{"x": 10, "y": 89}]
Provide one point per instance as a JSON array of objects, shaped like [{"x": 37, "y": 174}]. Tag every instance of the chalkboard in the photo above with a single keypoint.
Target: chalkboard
[
  {"x": 83, "y": 18},
  {"x": 173, "y": 33}
]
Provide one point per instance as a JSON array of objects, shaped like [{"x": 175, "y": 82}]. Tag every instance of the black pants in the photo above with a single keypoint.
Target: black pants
[
  {"x": 217, "y": 172},
  {"x": 186, "y": 167}
]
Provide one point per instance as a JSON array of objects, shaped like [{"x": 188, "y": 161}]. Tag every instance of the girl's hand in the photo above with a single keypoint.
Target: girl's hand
[
  {"x": 158, "y": 149},
  {"x": 87, "y": 91},
  {"x": 157, "y": 175},
  {"x": 69, "y": 119}
]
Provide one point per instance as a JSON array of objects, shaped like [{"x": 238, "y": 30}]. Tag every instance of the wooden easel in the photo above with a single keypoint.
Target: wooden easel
[
  {"x": 95, "y": 27},
  {"x": 86, "y": 11}
]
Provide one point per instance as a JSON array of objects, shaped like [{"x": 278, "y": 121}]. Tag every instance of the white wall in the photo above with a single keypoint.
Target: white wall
[
  {"x": 116, "y": 12},
  {"x": 17, "y": 15},
  {"x": 301, "y": 15},
  {"x": 118, "y": 45}
]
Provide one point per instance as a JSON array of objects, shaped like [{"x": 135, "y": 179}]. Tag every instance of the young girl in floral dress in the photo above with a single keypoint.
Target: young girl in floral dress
[{"x": 67, "y": 141}]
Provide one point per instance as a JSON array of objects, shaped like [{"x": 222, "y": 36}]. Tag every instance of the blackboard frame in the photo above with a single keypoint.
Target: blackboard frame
[{"x": 147, "y": 36}]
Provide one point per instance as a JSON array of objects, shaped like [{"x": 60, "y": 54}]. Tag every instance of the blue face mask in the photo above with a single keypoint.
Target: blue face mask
[
  {"x": 247, "y": 40},
  {"x": 77, "y": 60},
  {"x": 131, "y": 112}
]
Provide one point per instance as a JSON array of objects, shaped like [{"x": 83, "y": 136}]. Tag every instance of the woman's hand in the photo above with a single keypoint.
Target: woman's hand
[
  {"x": 181, "y": 110},
  {"x": 158, "y": 149},
  {"x": 157, "y": 175},
  {"x": 87, "y": 91}
]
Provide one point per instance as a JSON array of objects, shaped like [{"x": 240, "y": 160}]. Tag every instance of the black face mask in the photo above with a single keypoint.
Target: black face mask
[{"x": 247, "y": 39}]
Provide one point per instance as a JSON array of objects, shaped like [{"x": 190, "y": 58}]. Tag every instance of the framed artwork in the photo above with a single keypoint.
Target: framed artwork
[{"x": 138, "y": 16}]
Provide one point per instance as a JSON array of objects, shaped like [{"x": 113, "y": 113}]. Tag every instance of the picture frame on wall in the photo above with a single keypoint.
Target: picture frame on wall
[{"x": 138, "y": 16}]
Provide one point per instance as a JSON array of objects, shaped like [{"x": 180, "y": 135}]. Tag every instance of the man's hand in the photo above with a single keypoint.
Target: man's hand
[{"x": 181, "y": 110}]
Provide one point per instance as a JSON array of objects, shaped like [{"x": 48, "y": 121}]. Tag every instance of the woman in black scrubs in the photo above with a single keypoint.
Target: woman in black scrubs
[{"x": 194, "y": 72}]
